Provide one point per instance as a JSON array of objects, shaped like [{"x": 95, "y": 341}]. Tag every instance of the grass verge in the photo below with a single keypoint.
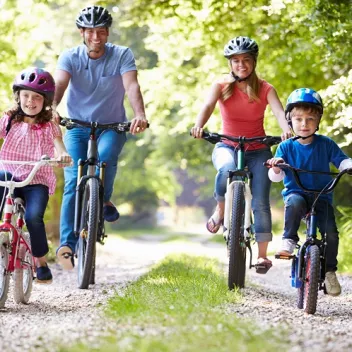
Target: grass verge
[{"x": 180, "y": 306}]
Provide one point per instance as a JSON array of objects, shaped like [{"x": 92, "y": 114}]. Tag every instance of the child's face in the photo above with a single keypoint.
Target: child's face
[
  {"x": 31, "y": 102},
  {"x": 304, "y": 122}
]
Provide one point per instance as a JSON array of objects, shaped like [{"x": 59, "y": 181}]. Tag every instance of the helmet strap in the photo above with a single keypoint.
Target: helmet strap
[{"x": 237, "y": 79}]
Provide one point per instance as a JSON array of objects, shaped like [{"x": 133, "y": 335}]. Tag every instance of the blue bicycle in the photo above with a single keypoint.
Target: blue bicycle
[{"x": 308, "y": 264}]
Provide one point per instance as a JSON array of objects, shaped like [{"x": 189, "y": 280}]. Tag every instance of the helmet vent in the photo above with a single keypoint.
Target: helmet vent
[
  {"x": 42, "y": 81},
  {"x": 31, "y": 77}
]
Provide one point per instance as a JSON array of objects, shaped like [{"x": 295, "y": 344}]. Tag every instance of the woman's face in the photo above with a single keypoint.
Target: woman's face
[
  {"x": 242, "y": 65},
  {"x": 31, "y": 102}
]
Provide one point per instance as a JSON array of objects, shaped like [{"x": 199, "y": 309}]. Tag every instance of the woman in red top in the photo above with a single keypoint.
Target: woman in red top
[{"x": 243, "y": 98}]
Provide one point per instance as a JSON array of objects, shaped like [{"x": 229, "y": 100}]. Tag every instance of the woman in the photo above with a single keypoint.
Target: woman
[{"x": 243, "y": 98}]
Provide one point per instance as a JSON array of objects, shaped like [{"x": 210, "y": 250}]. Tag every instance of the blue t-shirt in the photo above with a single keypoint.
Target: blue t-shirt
[
  {"x": 96, "y": 92},
  {"x": 315, "y": 156}
]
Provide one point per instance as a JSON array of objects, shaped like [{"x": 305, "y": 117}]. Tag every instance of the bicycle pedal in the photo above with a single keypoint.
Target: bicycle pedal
[{"x": 284, "y": 257}]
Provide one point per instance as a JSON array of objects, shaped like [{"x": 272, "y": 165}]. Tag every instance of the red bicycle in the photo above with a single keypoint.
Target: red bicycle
[{"x": 15, "y": 248}]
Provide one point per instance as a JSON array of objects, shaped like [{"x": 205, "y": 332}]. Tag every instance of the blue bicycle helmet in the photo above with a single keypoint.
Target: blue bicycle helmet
[{"x": 304, "y": 96}]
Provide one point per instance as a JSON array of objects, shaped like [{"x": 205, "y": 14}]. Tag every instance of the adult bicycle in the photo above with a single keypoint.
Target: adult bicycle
[
  {"x": 238, "y": 218},
  {"x": 308, "y": 264},
  {"x": 89, "y": 200},
  {"x": 16, "y": 257}
]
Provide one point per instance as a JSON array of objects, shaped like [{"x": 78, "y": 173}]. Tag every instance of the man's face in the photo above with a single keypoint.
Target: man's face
[{"x": 95, "y": 39}]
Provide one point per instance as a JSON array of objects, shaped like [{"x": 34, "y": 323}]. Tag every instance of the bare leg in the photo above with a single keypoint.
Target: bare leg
[
  {"x": 41, "y": 261},
  {"x": 262, "y": 249}
]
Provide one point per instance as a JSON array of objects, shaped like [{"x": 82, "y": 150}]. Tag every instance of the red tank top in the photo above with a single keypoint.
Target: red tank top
[{"x": 243, "y": 118}]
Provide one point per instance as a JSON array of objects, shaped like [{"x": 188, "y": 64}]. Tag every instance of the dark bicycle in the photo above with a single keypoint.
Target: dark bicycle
[
  {"x": 89, "y": 220},
  {"x": 308, "y": 264},
  {"x": 238, "y": 217}
]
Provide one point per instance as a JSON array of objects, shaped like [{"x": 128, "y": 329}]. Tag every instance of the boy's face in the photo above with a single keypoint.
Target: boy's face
[{"x": 304, "y": 122}]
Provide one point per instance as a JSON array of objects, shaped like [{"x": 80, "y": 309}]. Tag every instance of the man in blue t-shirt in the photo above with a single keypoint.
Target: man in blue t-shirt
[
  {"x": 97, "y": 75},
  {"x": 311, "y": 152}
]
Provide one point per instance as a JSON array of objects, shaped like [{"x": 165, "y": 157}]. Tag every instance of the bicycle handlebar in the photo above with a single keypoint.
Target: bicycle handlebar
[
  {"x": 325, "y": 190},
  {"x": 217, "y": 137},
  {"x": 118, "y": 126},
  {"x": 45, "y": 160}
]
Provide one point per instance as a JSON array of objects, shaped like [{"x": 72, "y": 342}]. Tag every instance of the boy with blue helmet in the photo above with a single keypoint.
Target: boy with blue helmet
[{"x": 313, "y": 152}]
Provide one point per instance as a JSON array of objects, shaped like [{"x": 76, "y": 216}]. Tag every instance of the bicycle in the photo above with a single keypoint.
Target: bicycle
[
  {"x": 238, "y": 218},
  {"x": 15, "y": 249},
  {"x": 308, "y": 264},
  {"x": 88, "y": 218}
]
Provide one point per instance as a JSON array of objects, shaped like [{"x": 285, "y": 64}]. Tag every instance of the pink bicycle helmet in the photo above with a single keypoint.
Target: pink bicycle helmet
[{"x": 36, "y": 80}]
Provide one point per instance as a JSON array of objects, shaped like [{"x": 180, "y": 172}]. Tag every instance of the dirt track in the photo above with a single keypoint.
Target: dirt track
[{"x": 62, "y": 313}]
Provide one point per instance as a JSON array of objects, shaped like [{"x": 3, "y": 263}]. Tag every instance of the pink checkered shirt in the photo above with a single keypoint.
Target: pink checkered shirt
[{"x": 26, "y": 142}]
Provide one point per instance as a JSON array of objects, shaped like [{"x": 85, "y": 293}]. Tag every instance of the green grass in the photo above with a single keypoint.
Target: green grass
[{"x": 179, "y": 306}]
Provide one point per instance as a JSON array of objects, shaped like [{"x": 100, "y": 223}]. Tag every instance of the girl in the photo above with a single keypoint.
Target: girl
[
  {"x": 29, "y": 133},
  {"x": 243, "y": 98}
]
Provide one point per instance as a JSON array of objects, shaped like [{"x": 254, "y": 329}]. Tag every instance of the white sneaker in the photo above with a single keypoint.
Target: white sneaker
[
  {"x": 332, "y": 284},
  {"x": 287, "y": 246}
]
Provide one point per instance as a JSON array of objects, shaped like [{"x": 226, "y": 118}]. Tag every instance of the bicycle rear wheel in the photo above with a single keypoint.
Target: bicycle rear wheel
[
  {"x": 4, "y": 274},
  {"x": 236, "y": 243},
  {"x": 88, "y": 232},
  {"x": 308, "y": 293}
]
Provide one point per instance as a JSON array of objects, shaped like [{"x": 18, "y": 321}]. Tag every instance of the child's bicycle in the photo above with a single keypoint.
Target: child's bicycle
[
  {"x": 238, "y": 220},
  {"x": 15, "y": 249},
  {"x": 308, "y": 264},
  {"x": 89, "y": 220}
]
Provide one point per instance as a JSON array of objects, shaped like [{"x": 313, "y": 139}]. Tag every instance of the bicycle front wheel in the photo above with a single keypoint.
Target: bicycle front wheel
[
  {"x": 88, "y": 233},
  {"x": 4, "y": 274},
  {"x": 23, "y": 279},
  {"x": 308, "y": 293},
  {"x": 236, "y": 243}
]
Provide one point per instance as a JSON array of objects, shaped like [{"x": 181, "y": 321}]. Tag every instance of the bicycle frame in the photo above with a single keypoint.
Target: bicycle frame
[
  {"x": 303, "y": 277},
  {"x": 238, "y": 225},
  {"x": 91, "y": 162}
]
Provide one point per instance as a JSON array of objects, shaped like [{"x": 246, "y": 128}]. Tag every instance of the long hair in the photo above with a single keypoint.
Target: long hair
[
  {"x": 44, "y": 116},
  {"x": 252, "y": 90}
]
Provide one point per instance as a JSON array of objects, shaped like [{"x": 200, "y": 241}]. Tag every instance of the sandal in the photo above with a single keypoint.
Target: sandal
[
  {"x": 263, "y": 265},
  {"x": 213, "y": 226}
]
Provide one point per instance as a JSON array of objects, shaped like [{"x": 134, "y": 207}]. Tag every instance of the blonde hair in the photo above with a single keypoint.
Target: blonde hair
[{"x": 252, "y": 89}]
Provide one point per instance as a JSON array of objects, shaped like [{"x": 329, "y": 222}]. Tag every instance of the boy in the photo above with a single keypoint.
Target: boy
[{"x": 313, "y": 152}]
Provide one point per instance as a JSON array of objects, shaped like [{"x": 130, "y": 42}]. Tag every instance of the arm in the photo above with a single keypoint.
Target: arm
[
  {"x": 279, "y": 113},
  {"x": 61, "y": 151},
  {"x": 62, "y": 79},
  {"x": 206, "y": 111},
  {"x": 131, "y": 85}
]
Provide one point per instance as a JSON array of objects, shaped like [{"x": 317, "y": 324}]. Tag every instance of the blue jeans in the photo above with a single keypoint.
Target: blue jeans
[
  {"x": 224, "y": 159},
  {"x": 296, "y": 207},
  {"x": 36, "y": 199},
  {"x": 76, "y": 140}
]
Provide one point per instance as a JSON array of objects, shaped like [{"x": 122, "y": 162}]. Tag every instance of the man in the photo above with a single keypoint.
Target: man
[{"x": 97, "y": 75}]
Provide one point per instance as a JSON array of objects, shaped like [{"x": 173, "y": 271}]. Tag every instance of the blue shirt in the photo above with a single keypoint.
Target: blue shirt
[
  {"x": 96, "y": 92},
  {"x": 315, "y": 156}
]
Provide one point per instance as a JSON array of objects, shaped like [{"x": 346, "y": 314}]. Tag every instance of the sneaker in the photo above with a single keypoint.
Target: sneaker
[
  {"x": 287, "y": 246},
  {"x": 110, "y": 213},
  {"x": 44, "y": 275},
  {"x": 332, "y": 284},
  {"x": 65, "y": 257}
]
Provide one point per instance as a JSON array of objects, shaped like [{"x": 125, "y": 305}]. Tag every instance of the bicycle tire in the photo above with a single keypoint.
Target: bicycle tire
[
  {"x": 236, "y": 243},
  {"x": 311, "y": 286},
  {"x": 88, "y": 232},
  {"x": 4, "y": 275},
  {"x": 23, "y": 280}
]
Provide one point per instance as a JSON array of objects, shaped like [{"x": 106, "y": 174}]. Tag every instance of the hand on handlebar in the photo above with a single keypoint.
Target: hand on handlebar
[
  {"x": 272, "y": 162},
  {"x": 197, "y": 132},
  {"x": 138, "y": 124}
]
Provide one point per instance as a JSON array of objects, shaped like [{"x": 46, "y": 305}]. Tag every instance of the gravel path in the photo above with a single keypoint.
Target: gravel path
[{"x": 61, "y": 313}]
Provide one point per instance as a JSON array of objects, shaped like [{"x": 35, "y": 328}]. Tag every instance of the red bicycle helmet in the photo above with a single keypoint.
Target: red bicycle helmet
[{"x": 36, "y": 80}]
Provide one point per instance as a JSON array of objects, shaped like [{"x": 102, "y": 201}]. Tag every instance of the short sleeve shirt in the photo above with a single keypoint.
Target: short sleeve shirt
[
  {"x": 26, "y": 142},
  {"x": 96, "y": 92}
]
